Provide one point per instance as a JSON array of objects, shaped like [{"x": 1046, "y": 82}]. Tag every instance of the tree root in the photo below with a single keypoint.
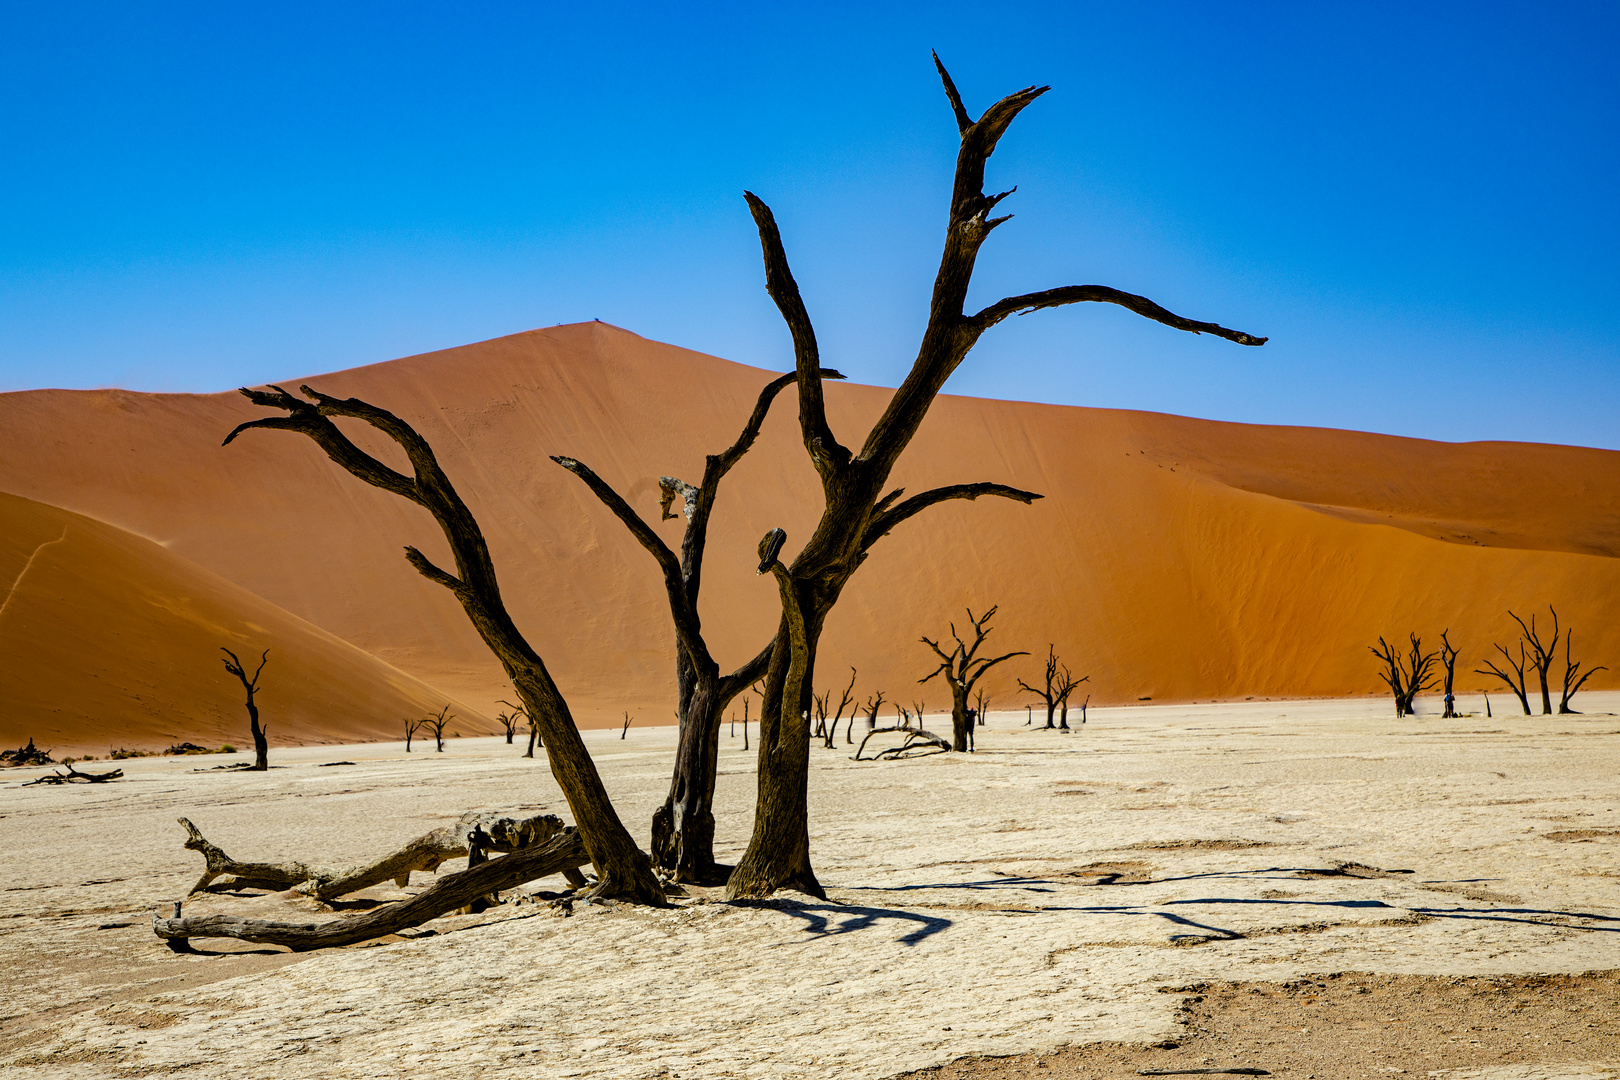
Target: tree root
[
  {"x": 485, "y": 831},
  {"x": 559, "y": 853},
  {"x": 919, "y": 743}
]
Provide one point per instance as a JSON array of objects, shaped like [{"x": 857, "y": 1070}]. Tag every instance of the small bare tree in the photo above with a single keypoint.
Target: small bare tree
[
  {"x": 509, "y": 722},
  {"x": 1448, "y": 663},
  {"x": 1541, "y": 655},
  {"x": 1059, "y": 682},
  {"x": 962, "y": 666},
  {"x": 261, "y": 743},
  {"x": 436, "y": 724},
  {"x": 1573, "y": 676},
  {"x": 628, "y": 720},
  {"x": 1515, "y": 681},
  {"x": 410, "y": 729},
  {"x": 873, "y": 704},
  {"x": 1407, "y": 676},
  {"x": 845, "y": 701}
]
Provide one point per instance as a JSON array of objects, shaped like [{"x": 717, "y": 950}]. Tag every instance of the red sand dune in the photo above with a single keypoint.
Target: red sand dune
[
  {"x": 111, "y": 641},
  {"x": 1172, "y": 558}
]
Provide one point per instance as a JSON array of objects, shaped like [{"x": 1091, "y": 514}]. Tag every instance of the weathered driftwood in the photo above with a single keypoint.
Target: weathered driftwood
[
  {"x": 425, "y": 853},
  {"x": 918, "y": 743},
  {"x": 560, "y": 853},
  {"x": 74, "y": 776}
]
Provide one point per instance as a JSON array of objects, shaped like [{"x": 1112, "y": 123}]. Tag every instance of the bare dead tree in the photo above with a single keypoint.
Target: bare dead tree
[
  {"x": 626, "y": 729},
  {"x": 683, "y": 827},
  {"x": 1406, "y": 675},
  {"x": 1419, "y": 676},
  {"x": 534, "y": 729},
  {"x": 1448, "y": 664},
  {"x": 509, "y": 722},
  {"x": 261, "y": 742},
  {"x": 845, "y": 701},
  {"x": 1058, "y": 682},
  {"x": 1393, "y": 672},
  {"x": 962, "y": 667},
  {"x": 1541, "y": 655},
  {"x": 1515, "y": 681},
  {"x": 856, "y": 510},
  {"x": 1574, "y": 678},
  {"x": 981, "y": 705},
  {"x": 873, "y": 704},
  {"x": 623, "y": 869},
  {"x": 436, "y": 722},
  {"x": 411, "y": 724}
]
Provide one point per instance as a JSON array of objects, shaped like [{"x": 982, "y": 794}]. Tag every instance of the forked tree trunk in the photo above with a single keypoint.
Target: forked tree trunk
[{"x": 856, "y": 511}]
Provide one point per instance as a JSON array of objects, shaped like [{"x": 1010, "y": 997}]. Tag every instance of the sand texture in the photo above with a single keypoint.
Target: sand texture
[
  {"x": 1171, "y": 558},
  {"x": 1039, "y": 894},
  {"x": 111, "y": 641}
]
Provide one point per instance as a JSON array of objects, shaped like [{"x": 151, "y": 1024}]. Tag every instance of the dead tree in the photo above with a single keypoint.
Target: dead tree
[
  {"x": 917, "y": 743},
  {"x": 410, "y": 730},
  {"x": 962, "y": 667},
  {"x": 1515, "y": 680},
  {"x": 1573, "y": 676},
  {"x": 1448, "y": 664},
  {"x": 1541, "y": 655},
  {"x": 981, "y": 705},
  {"x": 1406, "y": 675},
  {"x": 623, "y": 869},
  {"x": 873, "y": 704},
  {"x": 509, "y": 722},
  {"x": 261, "y": 744},
  {"x": 858, "y": 507},
  {"x": 436, "y": 722},
  {"x": 624, "y": 731},
  {"x": 534, "y": 729},
  {"x": 561, "y": 852},
  {"x": 846, "y": 700},
  {"x": 74, "y": 776},
  {"x": 1058, "y": 683}
]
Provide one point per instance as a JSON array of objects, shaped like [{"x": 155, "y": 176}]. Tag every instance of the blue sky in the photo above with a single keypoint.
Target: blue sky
[{"x": 1417, "y": 202}]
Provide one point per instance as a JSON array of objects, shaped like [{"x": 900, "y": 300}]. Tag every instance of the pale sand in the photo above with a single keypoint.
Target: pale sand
[{"x": 963, "y": 919}]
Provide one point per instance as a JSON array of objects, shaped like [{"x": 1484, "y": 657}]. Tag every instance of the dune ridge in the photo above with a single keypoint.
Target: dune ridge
[{"x": 1171, "y": 558}]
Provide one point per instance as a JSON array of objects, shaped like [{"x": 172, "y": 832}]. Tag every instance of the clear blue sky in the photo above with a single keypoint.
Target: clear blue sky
[{"x": 1419, "y": 203}]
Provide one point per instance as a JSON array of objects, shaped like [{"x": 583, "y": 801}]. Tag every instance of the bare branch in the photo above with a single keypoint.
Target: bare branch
[
  {"x": 883, "y": 522},
  {"x": 1079, "y": 294},
  {"x": 963, "y": 120}
]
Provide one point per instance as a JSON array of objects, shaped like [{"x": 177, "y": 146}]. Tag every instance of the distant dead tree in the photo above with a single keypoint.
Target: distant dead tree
[
  {"x": 628, "y": 720},
  {"x": 1448, "y": 664},
  {"x": 1058, "y": 683},
  {"x": 981, "y": 705},
  {"x": 261, "y": 743},
  {"x": 858, "y": 505},
  {"x": 436, "y": 724},
  {"x": 873, "y": 704},
  {"x": 1406, "y": 675},
  {"x": 845, "y": 701},
  {"x": 509, "y": 722},
  {"x": 534, "y": 729},
  {"x": 411, "y": 724},
  {"x": 1515, "y": 680},
  {"x": 962, "y": 666},
  {"x": 1541, "y": 655},
  {"x": 623, "y": 869},
  {"x": 1573, "y": 676}
]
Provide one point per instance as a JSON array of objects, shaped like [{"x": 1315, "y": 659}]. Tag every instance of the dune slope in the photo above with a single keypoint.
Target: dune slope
[
  {"x": 110, "y": 641},
  {"x": 1171, "y": 558}
]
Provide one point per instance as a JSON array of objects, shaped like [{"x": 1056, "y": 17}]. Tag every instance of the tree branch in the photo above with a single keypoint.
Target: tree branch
[
  {"x": 1080, "y": 294},
  {"x": 963, "y": 120},
  {"x": 887, "y": 520},
  {"x": 825, "y": 450}
]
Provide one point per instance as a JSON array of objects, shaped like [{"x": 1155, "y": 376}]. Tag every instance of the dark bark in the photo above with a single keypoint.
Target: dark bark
[
  {"x": 561, "y": 853},
  {"x": 961, "y": 668},
  {"x": 1574, "y": 677},
  {"x": 683, "y": 827},
  {"x": 1541, "y": 655},
  {"x": 855, "y": 509},
  {"x": 1058, "y": 682},
  {"x": 1448, "y": 664},
  {"x": 1515, "y": 680},
  {"x": 261, "y": 742},
  {"x": 623, "y": 868}
]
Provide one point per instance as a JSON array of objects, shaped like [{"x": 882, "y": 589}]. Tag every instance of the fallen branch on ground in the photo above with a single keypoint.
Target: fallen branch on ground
[
  {"x": 74, "y": 776},
  {"x": 919, "y": 743},
  {"x": 559, "y": 854},
  {"x": 424, "y": 853}
]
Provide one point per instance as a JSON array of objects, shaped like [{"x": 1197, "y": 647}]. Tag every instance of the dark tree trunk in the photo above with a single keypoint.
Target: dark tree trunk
[
  {"x": 961, "y": 722},
  {"x": 856, "y": 511},
  {"x": 261, "y": 744},
  {"x": 623, "y": 869}
]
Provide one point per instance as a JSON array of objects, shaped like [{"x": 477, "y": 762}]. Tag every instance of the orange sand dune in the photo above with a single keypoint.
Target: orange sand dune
[
  {"x": 110, "y": 641},
  {"x": 1171, "y": 558}
]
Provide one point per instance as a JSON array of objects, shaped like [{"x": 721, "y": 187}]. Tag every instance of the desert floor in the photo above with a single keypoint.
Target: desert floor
[{"x": 1309, "y": 888}]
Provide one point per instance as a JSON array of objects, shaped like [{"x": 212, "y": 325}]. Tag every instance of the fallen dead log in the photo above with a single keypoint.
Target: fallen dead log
[
  {"x": 560, "y": 853},
  {"x": 918, "y": 743},
  {"x": 425, "y": 853},
  {"x": 74, "y": 776}
]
